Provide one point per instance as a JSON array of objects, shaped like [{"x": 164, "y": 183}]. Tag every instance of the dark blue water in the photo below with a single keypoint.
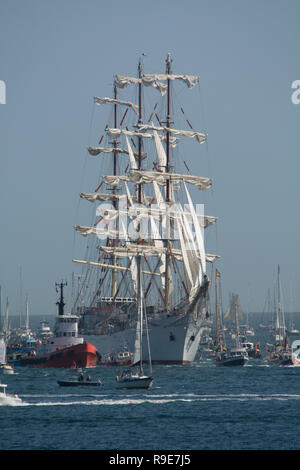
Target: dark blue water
[{"x": 189, "y": 407}]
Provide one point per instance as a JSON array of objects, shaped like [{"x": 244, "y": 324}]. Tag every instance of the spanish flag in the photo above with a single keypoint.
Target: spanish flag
[{"x": 218, "y": 274}]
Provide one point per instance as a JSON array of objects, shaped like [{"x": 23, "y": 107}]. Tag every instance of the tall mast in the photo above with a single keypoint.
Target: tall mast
[
  {"x": 27, "y": 314},
  {"x": 139, "y": 197},
  {"x": 168, "y": 264},
  {"x": 0, "y": 308},
  {"x": 115, "y": 142},
  {"x": 140, "y": 122},
  {"x": 218, "y": 326}
]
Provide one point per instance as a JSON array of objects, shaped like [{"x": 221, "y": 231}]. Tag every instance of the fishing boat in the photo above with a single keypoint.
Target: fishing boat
[
  {"x": 224, "y": 356},
  {"x": 66, "y": 348},
  {"x": 142, "y": 211},
  {"x": 80, "y": 381},
  {"x": 122, "y": 358},
  {"x": 280, "y": 352},
  {"x": 253, "y": 349}
]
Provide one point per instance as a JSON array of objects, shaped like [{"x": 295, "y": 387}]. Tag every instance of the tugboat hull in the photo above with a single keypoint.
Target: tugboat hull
[{"x": 79, "y": 355}]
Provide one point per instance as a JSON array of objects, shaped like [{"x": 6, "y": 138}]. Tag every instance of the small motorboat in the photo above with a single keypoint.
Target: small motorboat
[
  {"x": 6, "y": 369},
  {"x": 79, "y": 381},
  {"x": 8, "y": 399}
]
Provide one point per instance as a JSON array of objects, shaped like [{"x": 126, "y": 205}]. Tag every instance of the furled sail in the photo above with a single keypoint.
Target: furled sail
[
  {"x": 200, "y": 136},
  {"x": 189, "y": 80},
  {"x": 154, "y": 80},
  {"x": 143, "y": 176},
  {"x": 100, "y": 101},
  {"x": 97, "y": 150},
  {"x": 115, "y": 133},
  {"x": 122, "y": 82},
  {"x": 92, "y": 197}
]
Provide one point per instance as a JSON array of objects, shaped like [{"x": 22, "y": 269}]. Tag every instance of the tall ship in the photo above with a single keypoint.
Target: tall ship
[
  {"x": 65, "y": 348},
  {"x": 143, "y": 210}
]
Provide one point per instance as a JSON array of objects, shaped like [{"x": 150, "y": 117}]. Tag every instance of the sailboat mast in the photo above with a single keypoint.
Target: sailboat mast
[
  {"x": 280, "y": 310},
  {"x": 168, "y": 263},
  {"x": 27, "y": 314},
  {"x": 218, "y": 325},
  {"x": 0, "y": 308}
]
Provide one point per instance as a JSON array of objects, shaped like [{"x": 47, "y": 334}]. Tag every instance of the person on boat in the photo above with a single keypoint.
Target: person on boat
[
  {"x": 80, "y": 378},
  {"x": 88, "y": 379}
]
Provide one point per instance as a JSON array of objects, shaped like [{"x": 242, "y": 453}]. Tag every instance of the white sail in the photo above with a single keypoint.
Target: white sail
[
  {"x": 115, "y": 133},
  {"x": 189, "y": 80},
  {"x": 133, "y": 162},
  {"x": 122, "y": 82},
  {"x": 94, "y": 151},
  {"x": 2, "y": 351},
  {"x": 198, "y": 231},
  {"x": 92, "y": 197},
  {"x": 200, "y": 136},
  {"x": 162, "y": 158},
  {"x": 101, "y": 232},
  {"x": 114, "y": 180},
  {"x": 100, "y": 101},
  {"x": 143, "y": 176}
]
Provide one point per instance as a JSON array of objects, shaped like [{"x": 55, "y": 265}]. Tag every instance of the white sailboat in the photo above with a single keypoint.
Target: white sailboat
[
  {"x": 280, "y": 353},
  {"x": 142, "y": 214},
  {"x": 132, "y": 378},
  {"x": 5, "y": 368}
]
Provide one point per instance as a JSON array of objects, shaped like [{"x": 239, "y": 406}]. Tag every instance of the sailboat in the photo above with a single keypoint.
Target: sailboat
[
  {"x": 5, "y": 368},
  {"x": 292, "y": 330},
  {"x": 234, "y": 356},
  {"x": 132, "y": 378},
  {"x": 280, "y": 353},
  {"x": 142, "y": 214}
]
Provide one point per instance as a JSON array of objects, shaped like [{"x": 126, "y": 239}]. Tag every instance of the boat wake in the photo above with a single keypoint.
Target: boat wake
[{"x": 129, "y": 399}]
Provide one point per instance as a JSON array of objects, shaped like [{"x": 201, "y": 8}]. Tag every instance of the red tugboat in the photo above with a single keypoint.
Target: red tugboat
[{"x": 65, "y": 348}]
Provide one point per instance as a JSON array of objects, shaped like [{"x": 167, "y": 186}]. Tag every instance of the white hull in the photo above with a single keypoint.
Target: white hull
[
  {"x": 172, "y": 340},
  {"x": 6, "y": 369}
]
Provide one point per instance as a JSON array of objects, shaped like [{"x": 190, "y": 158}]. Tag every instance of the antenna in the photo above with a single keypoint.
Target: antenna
[{"x": 60, "y": 288}]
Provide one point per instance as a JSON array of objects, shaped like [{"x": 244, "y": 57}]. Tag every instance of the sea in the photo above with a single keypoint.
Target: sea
[{"x": 191, "y": 407}]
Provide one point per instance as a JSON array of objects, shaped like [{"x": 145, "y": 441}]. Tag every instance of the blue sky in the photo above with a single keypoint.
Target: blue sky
[{"x": 55, "y": 56}]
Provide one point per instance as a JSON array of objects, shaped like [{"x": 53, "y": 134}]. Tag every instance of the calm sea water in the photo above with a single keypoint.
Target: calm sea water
[{"x": 200, "y": 406}]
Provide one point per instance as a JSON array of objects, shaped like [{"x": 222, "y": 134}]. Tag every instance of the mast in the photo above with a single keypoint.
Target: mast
[
  {"x": 115, "y": 143},
  {"x": 139, "y": 259},
  {"x": 139, "y": 123},
  {"x": 61, "y": 302},
  {"x": 168, "y": 264},
  {"x": 218, "y": 322},
  {"x": 279, "y": 308},
  {"x": 27, "y": 314},
  {"x": 0, "y": 308}
]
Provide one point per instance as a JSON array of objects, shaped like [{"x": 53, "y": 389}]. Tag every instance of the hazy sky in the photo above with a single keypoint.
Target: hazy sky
[{"x": 55, "y": 56}]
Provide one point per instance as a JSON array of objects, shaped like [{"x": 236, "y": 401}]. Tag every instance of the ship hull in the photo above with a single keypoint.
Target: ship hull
[
  {"x": 79, "y": 355},
  {"x": 232, "y": 362},
  {"x": 173, "y": 340}
]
